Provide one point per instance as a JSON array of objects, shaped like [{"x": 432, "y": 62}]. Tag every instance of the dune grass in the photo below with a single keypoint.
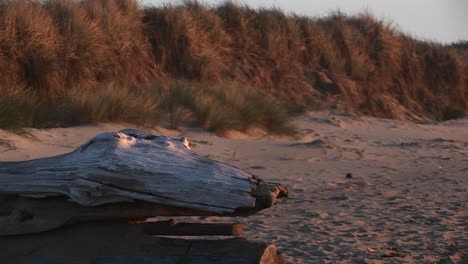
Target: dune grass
[
  {"x": 217, "y": 108},
  {"x": 225, "y": 106},
  {"x": 66, "y": 62}
]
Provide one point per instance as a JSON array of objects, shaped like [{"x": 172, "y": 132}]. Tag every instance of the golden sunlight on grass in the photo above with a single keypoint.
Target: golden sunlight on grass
[{"x": 223, "y": 67}]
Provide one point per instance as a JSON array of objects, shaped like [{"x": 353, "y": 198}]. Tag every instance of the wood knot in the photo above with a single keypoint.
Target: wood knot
[{"x": 24, "y": 215}]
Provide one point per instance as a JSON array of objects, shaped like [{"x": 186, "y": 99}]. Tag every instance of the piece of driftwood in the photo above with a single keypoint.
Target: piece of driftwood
[
  {"x": 174, "y": 228},
  {"x": 128, "y": 175},
  {"x": 100, "y": 243},
  {"x": 133, "y": 165}
]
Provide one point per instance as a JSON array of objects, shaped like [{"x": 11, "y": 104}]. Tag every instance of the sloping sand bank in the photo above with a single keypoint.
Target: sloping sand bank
[{"x": 363, "y": 190}]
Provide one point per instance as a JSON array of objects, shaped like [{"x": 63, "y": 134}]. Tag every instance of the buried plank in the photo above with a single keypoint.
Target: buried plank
[
  {"x": 174, "y": 228},
  {"x": 122, "y": 243}
]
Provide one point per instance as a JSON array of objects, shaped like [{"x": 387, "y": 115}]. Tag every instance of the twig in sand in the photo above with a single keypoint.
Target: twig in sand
[
  {"x": 25, "y": 133},
  {"x": 8, "y": 145}
]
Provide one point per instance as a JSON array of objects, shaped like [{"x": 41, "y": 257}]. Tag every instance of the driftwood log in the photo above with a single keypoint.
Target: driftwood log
[{"x": 129, "y": 174}]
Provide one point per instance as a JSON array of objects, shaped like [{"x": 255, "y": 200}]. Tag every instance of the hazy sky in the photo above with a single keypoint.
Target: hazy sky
[{"x": 440, "y": 20}]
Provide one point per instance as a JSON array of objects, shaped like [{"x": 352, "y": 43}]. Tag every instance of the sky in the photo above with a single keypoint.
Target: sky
[{"x": 438, "y": 20}]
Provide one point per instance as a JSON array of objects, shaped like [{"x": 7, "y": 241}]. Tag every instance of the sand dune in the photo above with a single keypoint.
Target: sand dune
[{"x": 363, "y": 190}]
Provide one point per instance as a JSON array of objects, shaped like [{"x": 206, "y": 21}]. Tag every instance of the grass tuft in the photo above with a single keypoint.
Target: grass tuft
[{"x": 225, "y": 106}]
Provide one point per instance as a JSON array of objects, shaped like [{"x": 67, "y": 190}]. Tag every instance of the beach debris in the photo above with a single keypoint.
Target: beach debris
[
  {"x": 316, "y": 143},
  {"x": 126, "y": 174},
  {"x": 371, "y": 250},
  {"x": 391, "y": 252},
  {"x": 335, "y": 121},
  {"x": 257, "y": 167}
]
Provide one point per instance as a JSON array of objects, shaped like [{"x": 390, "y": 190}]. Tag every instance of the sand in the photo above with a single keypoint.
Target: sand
[{"x": 363, "y": 190}]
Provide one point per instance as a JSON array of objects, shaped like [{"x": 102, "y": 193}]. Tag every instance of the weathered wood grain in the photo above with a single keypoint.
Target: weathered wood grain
[
  {"x": 126, "y": 175},
  {"x": 133, "y": 165}
]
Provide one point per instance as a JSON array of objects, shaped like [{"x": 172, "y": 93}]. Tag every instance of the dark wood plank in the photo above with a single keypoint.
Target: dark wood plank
[
  {"x": 174, "y": 228},
  {"x": 123, "y": 243}
]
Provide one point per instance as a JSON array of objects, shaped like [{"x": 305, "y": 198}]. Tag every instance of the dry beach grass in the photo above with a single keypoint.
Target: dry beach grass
[{"x": 67, "y": 62}]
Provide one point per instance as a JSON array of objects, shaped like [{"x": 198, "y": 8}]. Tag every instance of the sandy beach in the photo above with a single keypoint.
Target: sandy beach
[{"x": 362, "y": 190}]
